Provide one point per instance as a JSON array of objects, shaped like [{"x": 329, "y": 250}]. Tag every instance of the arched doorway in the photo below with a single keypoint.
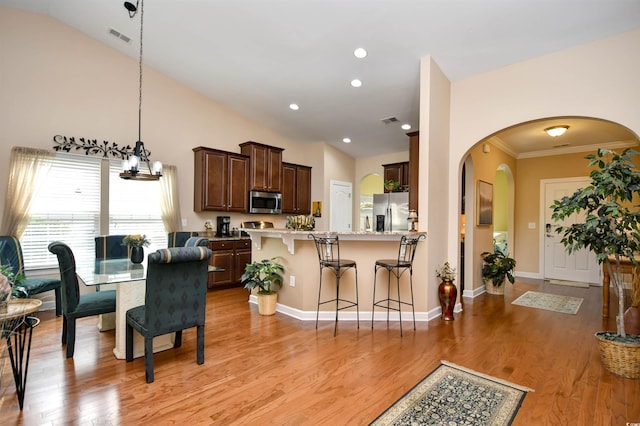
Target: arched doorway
[{"x": 519, "y": 158}]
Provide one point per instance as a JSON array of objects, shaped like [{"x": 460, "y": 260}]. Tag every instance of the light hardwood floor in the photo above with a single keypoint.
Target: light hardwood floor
[{"x": 281, "y": 371}]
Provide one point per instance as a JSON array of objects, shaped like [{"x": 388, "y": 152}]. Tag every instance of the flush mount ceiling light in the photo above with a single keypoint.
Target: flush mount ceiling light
[
  {"x": 556, "y": 131},
  {"x": 360, "y": 53},
  {"x": 131, "y": 166}
]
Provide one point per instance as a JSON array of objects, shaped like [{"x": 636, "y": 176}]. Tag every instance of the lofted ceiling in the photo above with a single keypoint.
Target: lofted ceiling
[{"x": 257, "y": 57}]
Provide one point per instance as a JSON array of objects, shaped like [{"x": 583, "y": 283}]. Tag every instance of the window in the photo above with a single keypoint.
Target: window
[
  {"x": 134, "y": 208},
  {"x": 68, "y": 209}
]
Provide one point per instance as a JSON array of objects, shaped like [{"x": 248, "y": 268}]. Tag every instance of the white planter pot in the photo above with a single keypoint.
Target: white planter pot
[{"x": 492, "y": 289}]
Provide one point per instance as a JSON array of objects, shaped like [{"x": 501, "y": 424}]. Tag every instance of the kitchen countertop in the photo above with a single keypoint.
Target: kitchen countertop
[{"x": 289, "y": 236}]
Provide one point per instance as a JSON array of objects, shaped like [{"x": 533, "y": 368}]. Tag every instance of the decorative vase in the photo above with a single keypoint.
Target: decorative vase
[
  {"x": 267, "y": 303},
  {"x": 137, "y": 254},
  {"x": 447, "y": 293},
  {"x": 494, "y": 289}
]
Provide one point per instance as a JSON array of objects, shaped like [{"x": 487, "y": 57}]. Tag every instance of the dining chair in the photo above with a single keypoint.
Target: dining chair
[
  {"x": 197, "y": 242},
  {"x": 74, "y": 304},
  {"x": 397, "y": 267},
  {"x": 175, "y": 300},
  {"x": 111, "y": 247},
  {"x": 328, "y": 248},
  {"x": 179, "y": 238},
  {"x": 11, "y": 255}
]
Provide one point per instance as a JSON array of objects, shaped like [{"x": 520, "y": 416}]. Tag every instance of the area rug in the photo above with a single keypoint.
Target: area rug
[
  {"x": 569, "y": 283},
  {"x": 454, "y": 395},
  {"x": 549, "y": 302}
]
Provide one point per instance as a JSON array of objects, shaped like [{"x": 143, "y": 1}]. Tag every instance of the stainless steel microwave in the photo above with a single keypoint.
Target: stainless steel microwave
[{"x": 265, "y": 202}]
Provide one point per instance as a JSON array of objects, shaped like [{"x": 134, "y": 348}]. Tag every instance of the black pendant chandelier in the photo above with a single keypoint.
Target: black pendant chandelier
[{"x": 131, "y": 166}]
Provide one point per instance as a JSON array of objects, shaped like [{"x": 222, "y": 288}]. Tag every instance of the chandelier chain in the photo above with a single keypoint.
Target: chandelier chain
[{"x": 140, "y": 71}]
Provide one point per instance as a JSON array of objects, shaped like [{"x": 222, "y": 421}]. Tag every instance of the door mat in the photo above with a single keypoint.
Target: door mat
[
  {"x": 549, "y": 302},
  {"x": 569, "y": 283},
  {"x": 452, "y": 394}
]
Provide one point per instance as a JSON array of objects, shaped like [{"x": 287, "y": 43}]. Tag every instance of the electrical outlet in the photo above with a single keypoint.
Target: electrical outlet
[
  {"x": 184, "y": 222},
  {"x": 292, "y": 281}
]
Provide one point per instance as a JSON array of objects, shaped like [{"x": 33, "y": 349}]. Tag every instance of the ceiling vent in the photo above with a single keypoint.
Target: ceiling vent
[
  {"x": 119, "y": 35},
  {"x": 389, "y": 120}
]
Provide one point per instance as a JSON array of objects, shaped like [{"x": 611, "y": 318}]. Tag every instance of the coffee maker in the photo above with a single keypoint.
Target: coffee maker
[{"x": 223, "y": 224}]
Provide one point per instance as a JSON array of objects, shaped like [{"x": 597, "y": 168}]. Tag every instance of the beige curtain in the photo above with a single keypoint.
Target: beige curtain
[
  {"x": 28, "y": 168},
  {"x": 169, "y": 202}
]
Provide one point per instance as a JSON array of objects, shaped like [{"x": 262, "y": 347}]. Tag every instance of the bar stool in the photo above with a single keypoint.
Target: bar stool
[
  {"x": 397, "y": 267},
  {"x": 328, "y": 248}
]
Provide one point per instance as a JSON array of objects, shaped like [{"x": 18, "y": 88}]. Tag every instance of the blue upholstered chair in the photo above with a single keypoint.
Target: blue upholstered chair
[
  {"x": 179, "y": 239},
  {"x": 111, "y": 247},
  {"x": 197, "y": 242},
  {"x": 11, "y": 255},
  {"x": 74, "y": 304},
  {"x": 175, "y": 299}
]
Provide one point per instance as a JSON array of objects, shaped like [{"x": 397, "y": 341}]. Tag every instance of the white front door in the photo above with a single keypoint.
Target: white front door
[
  {"x": 340, "y": 201},
  {"x": 558, "y": 263}
]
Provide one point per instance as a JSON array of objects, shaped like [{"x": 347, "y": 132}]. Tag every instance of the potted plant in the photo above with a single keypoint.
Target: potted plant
[
  {"x": 266, "y": 276},
  {"x": 447, "y": 291},
  {"x": 497, "y": 267},
  {"x": 136, "y": 242},
  {"x": 10, "y": 287},
  {"x": 611, "y": 230},
  {"x": 391, "y": 185}
]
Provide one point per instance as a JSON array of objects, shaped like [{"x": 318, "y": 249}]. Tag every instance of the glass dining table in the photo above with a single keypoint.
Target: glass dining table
[{"x": 129, "y": 280}]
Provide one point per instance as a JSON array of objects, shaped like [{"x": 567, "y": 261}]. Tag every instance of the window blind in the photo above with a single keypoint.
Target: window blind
[{"x": 67, "y": 209}]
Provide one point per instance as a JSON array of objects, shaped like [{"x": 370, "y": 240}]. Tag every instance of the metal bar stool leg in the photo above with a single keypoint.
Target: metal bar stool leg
[
  {"x": 319, "y": 294},
  {"x": 335, "y": 326},
  {"x": 357, "y": 303},
  {"x": 397, "y": 274},
  {"x": 411, "y": 286},
  {"x": 373, "y": 308}
]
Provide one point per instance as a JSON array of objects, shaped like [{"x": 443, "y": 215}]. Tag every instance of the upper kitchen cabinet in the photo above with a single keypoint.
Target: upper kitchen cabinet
[
  {"x": 266, "y": 166},
  {"x": 406, "y": 173},
  {"x": 296, "y": 189},
  {"x": 220, "y": 180},
  {"x": 398, "y": 172}
]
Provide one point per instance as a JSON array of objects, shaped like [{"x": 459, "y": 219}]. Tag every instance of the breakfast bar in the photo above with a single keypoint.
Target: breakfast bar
[{"x": 299, "y": 294}]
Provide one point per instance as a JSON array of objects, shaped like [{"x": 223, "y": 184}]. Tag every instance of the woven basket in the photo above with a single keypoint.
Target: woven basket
[{"x": 622, "y": 359}]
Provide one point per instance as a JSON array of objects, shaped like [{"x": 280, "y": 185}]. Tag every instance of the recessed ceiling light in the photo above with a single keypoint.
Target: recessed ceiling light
[
  {"x": 346, "y": 140},
  {"x": 360, "y": 53},
  {"x": 356, "y": 83},
  {"x": 294, "y": 107},
  {"x": 406, "y": 126}
]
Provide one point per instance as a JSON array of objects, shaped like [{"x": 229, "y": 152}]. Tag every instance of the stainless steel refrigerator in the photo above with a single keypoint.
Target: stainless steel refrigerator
[{"x": 393, "y": 209}]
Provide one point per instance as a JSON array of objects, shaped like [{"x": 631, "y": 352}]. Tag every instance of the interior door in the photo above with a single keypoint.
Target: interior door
[
  {"x": 341, "y": 206},
  {"x": 558, "y": 263}
]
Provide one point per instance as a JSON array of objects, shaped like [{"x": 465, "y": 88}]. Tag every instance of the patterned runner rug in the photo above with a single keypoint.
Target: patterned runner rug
[
  {"x": 550, "y": 302},
  {"x": 452, "y": 394}
]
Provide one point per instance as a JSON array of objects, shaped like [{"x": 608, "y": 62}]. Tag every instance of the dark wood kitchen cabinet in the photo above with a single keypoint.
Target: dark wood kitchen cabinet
[
  {"x": 231, "y": 256},
  {"x": 220, "y": 180},
  {"x": 266, "y": 166},
  {"x": 296, "y": 189},
  {"x": 398, "y": 172}
]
